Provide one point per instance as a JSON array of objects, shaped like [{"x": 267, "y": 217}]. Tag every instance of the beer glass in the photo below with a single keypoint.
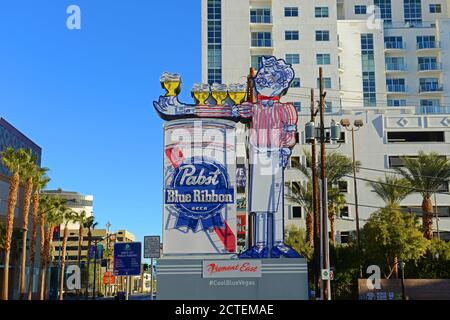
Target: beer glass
[
  {"x": 171, "y": 83},
  {"x": 219, "y": 93},
  {"x": 237, "y": 92},
  {"x": 201, "y": 93}
]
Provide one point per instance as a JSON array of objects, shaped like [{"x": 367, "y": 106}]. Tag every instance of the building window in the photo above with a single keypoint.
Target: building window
[
  {"x": 416, "y": 136},
  {"x": 343, "y": 186},
  {"x": 426, "y": 42},
  {"x": 293, "y": 58},
  {"x": 296, "y": 83},
  {"x": 360, "y": 9},
  {"x": 396, "y": 103},
  {"x": 435, "y": 8},
  {"x": 296, "y": 212},
  {"x": 261, "y": 39},
  {"x": 345, "y": 237},
  {"x": 322, "y": 12},
  {"x": 326, "y": 83},
  {"x": 291, "y": 12},
  {"x": 429, "y": 84},
  {"x": 256, "y": 62},
  {"x": 328, "y": 106},
  {"x": 430, "y": 106},
  {"x": 291, "y": 35},
  {"x": 384, "y": 10},
  {"x": 323, "y": 59},
  {"x": 412, "y": 11},
  {"x": 368, "y": 68},
  {"x": 297, "y": 105},
  {"x": 295, "y": 162},
  {"x": 322, "y": 35},
  {"x": 394, "y": 42},
  {"x": 214, "y": 41},
  {"x": 396, "y": 85},
  {"x": 344, "y": 212},
  {"x": 260, "y": 16},
  {"x": 342, "y": 138}
]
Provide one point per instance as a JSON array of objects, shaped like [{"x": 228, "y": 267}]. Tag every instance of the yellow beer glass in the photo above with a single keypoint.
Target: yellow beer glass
[
  {"x": 237, "y": 92},
  {"x": 219, "y": 93},
  {"x": 201, "y": 93},
  {"x": 171, "y": 83}
]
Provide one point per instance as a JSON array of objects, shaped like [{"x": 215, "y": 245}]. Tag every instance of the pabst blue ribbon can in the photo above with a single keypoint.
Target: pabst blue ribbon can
[{"x": 199, "y": 187}]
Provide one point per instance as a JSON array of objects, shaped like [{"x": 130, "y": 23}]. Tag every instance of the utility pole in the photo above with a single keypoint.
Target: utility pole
[
  {"x": 251, "y": 215},
  {"x": 315, "y": 205},
  {"x": 325, "y": 249}
]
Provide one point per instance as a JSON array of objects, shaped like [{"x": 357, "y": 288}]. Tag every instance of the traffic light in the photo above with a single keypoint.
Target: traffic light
[{"x": 146, "y": 268}]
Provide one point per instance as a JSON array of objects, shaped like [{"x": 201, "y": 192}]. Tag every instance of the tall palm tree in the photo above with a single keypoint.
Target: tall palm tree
[
  {"x": 40, "y": 180},
  {"x": 26, "y": 176},
  {"x": 14, "y": 162},
  {"x": 302, "y": 195},
  {"x": 90, "y": 225},
  {"x": 336, "y": 200},
  {"x": 392, "y": 191},
  {"x": 81, "y": 219},
  {"x": 427, "y": 173},
  {"x": 69, "y": 216}
]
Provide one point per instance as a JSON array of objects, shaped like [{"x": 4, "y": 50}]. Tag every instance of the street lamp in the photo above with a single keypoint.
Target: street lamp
[
  {"x": 402, "y": 267},
  {"x": 356, "y": 126}
]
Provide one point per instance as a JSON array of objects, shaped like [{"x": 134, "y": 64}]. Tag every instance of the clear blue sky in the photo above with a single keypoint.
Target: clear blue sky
[{"x": 85, "y": 96}]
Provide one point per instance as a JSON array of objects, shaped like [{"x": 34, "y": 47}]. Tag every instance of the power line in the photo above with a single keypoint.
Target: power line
[
  {"x": 399, "y": 186},
  {"x": 397, "y": 173}
]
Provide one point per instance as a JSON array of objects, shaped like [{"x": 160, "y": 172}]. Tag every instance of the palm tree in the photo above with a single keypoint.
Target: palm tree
[
  {"x": 427, "y": 173},
  {"x": 302, "y": 195},
  {"x": 40, "y": 180},
  {"x": 81, "y": 219},
  {"x": 14, "y": 162},
  {"x": 26, "y": 176},
  {"x": 392, "y": 191},
  {"x": 90, "y": 225},
  {"x": 69, "y": 216},
  {"x": 337, "y": 167}
]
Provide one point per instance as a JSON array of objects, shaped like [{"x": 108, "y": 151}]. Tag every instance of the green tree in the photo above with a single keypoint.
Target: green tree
[
  {"x": 427, "y": 173},
  {"x": 390, "y": 234},
  {"x": 296, "y": 238},
  {"x": 40, "y": 180},
  {"x": 14, "y": 161},
  {"x": 29, "y": 169},
  {"x": 391, "y": 190},
  {"x": 68, "y": 216},
  {"x": 90, "y": 225},
  {"x": 302, "y": 195}
]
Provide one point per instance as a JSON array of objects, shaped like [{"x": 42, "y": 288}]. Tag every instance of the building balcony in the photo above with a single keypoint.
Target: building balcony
[
  {"x": 396, "y": 88},
  {"x": 396, "y": 67},
  {"x": 429, "y": 67},
  {"x": 394, "y": 45},
  {"x": 431, "y": 88},
  {"x": 428, "y": 45}
]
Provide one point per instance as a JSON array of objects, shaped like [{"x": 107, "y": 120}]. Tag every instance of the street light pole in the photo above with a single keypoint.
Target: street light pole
[{"x": 402, "y": 266}]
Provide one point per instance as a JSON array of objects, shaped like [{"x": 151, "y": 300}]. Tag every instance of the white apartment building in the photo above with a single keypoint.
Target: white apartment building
[{"x": 386, "y": 62}]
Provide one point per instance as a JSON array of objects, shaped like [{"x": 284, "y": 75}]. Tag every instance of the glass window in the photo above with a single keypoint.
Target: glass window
[
  {"x": 360, "y": 9},
  {"x": 322, "y": 12},
  {"x": 435, "y": 8},
  {"x": 323, "y": 58},
  {"x": 296, "y": 212},
  {"x": 261, "y": 39},
  {"x": 322, "y": 35},
  {"x": 368, "y": 68},
  {"x": 298, "y": 106},
  {"x": 256, "y": 61},
  {"x": 293, "y": 58},
  {"x": 291, "y": 35},
  {"x": 326, "y": 83},
  {"x": 412, "y": 11},
  {"x": 291, "y": 12},
  {"x": 296, "y": 83},
  {"x": 214, "y": 41},
  {"x": 260, "y": 16},
  {"x": 384, "y": 10}
]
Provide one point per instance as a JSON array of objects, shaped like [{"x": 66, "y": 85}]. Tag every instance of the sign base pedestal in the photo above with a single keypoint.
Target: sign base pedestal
[{"x": 278, "y": 279}]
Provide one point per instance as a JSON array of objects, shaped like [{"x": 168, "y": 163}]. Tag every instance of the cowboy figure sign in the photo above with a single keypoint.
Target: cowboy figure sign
[{"x": 272, "y": 135}]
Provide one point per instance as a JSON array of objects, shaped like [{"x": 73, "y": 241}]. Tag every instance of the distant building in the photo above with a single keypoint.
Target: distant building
[{"x": 12, "y": 137}]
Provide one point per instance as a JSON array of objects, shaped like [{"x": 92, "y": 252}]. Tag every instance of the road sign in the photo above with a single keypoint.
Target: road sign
[
  {"x": 127, "y": 259},
  {"x": 152, "y": 247},
  {"x": 325, "y": 274},
  {"x": 108, "y": 278}
]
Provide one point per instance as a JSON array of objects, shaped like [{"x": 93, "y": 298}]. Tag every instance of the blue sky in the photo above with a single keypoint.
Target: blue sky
[{"x": 85, "y": 96}]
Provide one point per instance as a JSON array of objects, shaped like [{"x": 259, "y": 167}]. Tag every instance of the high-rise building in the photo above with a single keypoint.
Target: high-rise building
[{"x": 384, "y": 62}]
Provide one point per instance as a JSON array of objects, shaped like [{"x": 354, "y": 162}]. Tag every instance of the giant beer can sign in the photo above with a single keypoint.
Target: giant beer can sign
[{"x": 199, "y": 187}]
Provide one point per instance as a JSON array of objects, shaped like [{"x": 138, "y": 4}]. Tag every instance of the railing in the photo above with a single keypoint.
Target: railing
[
  {"x": 262, "y": 43},
  {"x": 430, "y": 66},
  {"x": 396, "y": 67},
  {"x": 261, "y": 19},
  {"x": 422, "y": 45},
  {"x": 431, "y": 87},
  {"x": 437, "y": 109},
  {"x": 400, "y": 45},
  {"x": 396, "y": 88}
]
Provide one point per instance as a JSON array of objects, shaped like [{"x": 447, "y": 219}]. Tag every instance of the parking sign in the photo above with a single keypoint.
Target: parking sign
[
  {"x": 127, "y": 259},
  {"x": 152, "y": 247}
]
